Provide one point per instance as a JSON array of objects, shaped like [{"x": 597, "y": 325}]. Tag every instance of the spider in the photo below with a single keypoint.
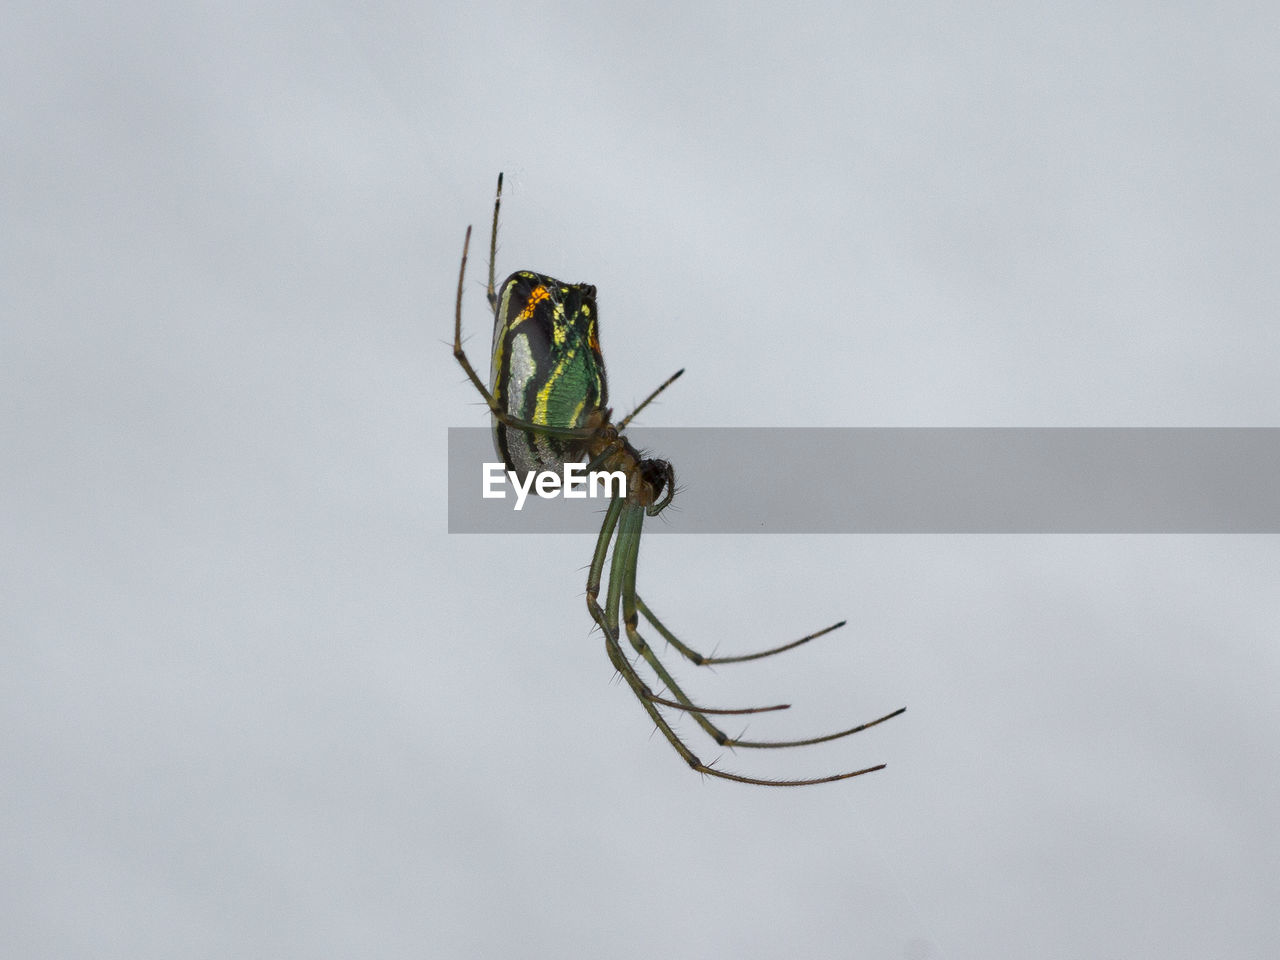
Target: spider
[{"x": 549, "y": 401}]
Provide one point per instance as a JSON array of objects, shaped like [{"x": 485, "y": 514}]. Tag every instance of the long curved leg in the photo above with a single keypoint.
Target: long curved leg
[
  {"x": 704, "y": 661},
  {"x": 617, "y": 507},
  {"x": 712, "y": 730},
  {"x": 629, "y": 521}
]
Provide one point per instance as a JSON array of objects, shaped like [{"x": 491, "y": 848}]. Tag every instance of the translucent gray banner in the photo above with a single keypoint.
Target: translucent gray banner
[{"x": 918, "y": 480}]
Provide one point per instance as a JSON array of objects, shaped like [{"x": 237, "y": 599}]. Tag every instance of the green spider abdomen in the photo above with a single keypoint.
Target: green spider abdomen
[{"x": 547, "y": 368}]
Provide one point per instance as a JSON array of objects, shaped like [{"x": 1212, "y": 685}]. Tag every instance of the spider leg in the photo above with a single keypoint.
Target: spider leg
[
  {"x": 694, "y": 657},
  {"x": 716, "y": 734},
  {"x": 493, "y": 245},
  {"x": 622, "y": 425},
  {"x": 458, "y": 353},
  {"x": 608, "y": 622},
  {"x": 629, "y": 520}
]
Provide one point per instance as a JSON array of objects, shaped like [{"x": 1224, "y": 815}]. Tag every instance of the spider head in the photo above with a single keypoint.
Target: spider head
[{"x": 659, "y": 479}]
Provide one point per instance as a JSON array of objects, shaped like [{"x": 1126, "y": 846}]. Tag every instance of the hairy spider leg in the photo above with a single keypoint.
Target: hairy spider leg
[
  {"x": 716, "y": 734},
  {"x": 628, "y": 518}
]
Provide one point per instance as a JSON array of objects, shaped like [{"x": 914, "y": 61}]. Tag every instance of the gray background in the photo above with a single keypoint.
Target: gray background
[{"x": 257, "y": 702}]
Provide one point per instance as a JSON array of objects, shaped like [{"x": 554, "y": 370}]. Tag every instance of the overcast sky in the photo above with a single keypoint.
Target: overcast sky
[{"x": 258, "y": 702}]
